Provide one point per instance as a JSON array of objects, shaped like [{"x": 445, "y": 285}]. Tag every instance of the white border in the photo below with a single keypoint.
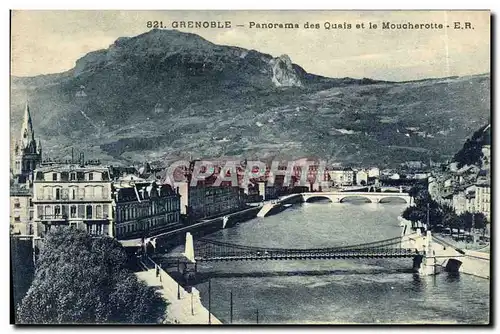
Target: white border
[{"x": 185, "y": 4}]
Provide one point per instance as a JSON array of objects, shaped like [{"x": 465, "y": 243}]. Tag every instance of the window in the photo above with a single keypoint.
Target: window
[
  {"x": 57, "y": 210},
  {"x": 105, "y": 209},
  {"x": 72, "y": 177},
  {"x": 58, "y": 193},
  {"x": 48, "y": 210},
  {"x": 91, "y": 176},
  {"x": 48, "y": 193},
  {"x": 89, "y": 212},
  {"x": 81, "y": 211},
  {"x": 30, "y": 203},
  {"x": 98, "y": 211},
  {"x": 73, "y": 193},
  {"x": 17, "y": 205},
  {"x": 54, "y": 176},
  {"x": 73, "y": 211},
  {"x": 17, "y": 219}
]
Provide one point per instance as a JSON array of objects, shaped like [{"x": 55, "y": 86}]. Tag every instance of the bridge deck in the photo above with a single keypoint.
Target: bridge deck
[{"x": 397, "y": 253}]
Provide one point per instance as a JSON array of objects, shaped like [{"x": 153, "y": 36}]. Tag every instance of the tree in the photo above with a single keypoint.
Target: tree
[
  {"x": 480, "y": 222},
  {"x": 82, "y": 279},
  {"x": 467, "y": 220},
  {"x": 413, "y": 214}
]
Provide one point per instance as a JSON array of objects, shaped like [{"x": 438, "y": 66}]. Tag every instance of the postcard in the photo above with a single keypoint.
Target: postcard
[{"x": 250, "y": 167}]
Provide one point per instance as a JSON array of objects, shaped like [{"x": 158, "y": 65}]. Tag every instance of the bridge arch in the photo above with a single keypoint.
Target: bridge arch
[
  {"x": 453, "y": 265},
  {"x": 343, "y": 199},
  {"x": 318, "y": 198},
  {"x": 393, "y": 199}
]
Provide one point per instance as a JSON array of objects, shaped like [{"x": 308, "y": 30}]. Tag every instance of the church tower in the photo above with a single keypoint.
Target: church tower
[{"x": 27, "y": 155}]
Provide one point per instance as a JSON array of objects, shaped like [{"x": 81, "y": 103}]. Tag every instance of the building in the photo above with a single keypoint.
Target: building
[
  {"x": 342, "y": 176},
  {"x": 21, "y": 209},
  {"x": 434, "y": 187},
  {"x": 459, "y": 202},
  {"x": 361, "y": 178},
  {"x": 144, "y": 209},
  {"x": 486, "y": 157},
  {"x": 374, "y": 172},
  {"x": 76, "y": 195},
  {"x": 27, "y": 156},
  {"x": 27, "y": 153},
  {"x": 470, "y": 198},
  {"x": 203, "y": 199},
  {"x": 482, "y": 201}
]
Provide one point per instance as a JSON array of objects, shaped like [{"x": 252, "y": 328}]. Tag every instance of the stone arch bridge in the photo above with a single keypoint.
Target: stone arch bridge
[{"x": 374, "y": 197}]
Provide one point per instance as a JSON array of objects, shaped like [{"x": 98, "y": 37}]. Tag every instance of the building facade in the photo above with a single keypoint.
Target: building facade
[
  {"x": 483, "y": 199},
  {"x": 204, "y": 200},
  {"x": 342, "y": 176},
  {"x": 361, "y": 178},
  {"x": 21, "y": 210},
  {"x": 74, "y": 195},
  {"x": 145, "y": 209},
  {"x": 27, "y": 155}
]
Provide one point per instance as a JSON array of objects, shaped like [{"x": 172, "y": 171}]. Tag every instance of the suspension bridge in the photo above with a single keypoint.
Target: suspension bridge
[{"x": 207, "y": 250}]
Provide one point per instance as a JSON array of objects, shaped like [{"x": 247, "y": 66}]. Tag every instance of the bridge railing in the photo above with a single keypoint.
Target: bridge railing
[
  {"x": 207, "y": 248},
  {"x": 396, "y": 241}
]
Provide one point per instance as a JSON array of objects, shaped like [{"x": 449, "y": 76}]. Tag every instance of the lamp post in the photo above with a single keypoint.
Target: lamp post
[
  {"x": 231, "y": 309},
  {"x": 209, "y": 302},
  {"x": 192, "y": 308}
]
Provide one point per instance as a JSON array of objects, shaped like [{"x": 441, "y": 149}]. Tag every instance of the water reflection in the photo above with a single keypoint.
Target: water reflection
[{"x": 452, "y": 277}]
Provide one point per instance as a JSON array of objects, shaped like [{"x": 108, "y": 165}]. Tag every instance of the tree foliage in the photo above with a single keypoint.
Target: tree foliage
[
  {"x": 471, "y": 152},
  {"x": 82, "y": 279}
]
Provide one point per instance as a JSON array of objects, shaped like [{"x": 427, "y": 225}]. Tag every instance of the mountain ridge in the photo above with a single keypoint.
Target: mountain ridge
[{"x": 165, "y": 95}]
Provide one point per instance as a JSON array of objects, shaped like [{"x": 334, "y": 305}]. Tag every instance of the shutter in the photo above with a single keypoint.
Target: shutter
[{"x": 81, "y": 211}]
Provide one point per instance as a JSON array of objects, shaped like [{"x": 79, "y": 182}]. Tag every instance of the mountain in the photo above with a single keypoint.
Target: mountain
[
  {"x": 167, "y": 94},
  {"x": 471, "y": 152}
]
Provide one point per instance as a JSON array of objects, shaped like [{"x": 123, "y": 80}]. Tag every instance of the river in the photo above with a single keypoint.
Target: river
[{"x": 335, "y": 291}]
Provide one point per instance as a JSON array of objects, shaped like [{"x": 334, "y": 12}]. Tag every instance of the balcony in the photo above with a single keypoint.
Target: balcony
[
  {"x": 64, "y": 199},
  {"x": 58, "y": 217}
]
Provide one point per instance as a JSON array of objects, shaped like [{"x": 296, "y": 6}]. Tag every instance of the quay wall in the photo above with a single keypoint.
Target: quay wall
[{"x": 473, "y": 262}]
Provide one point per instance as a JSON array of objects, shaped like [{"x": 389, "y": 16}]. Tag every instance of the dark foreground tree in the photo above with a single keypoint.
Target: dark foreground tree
[{"x": 81, "y": 279}]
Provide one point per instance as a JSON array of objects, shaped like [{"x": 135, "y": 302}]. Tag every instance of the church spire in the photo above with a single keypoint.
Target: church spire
[{"x": 27, "y": 133}]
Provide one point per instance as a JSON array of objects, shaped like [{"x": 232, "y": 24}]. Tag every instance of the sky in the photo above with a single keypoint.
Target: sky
[{"x": 45, "y": 42}]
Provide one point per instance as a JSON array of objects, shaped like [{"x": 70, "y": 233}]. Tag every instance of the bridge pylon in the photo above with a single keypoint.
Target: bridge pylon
[{"x": 189, "y": 248}]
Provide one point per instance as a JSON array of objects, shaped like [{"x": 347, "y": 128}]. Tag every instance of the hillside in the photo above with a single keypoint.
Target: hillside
[
  {"x": 167, "y": 95},
  {"x": 471, "y": 151}
]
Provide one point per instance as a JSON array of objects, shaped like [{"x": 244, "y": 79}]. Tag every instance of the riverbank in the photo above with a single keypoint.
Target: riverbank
[
  {"x": 473, "y": 262},
  {"x": 183, "y": 307}
]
